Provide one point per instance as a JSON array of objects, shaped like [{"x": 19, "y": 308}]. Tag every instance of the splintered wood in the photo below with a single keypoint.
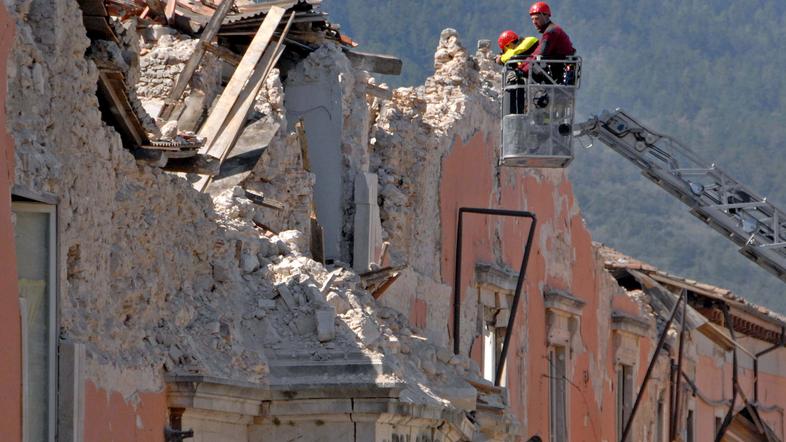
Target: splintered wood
[
  {"x": 193, "y": 63},
  {"x": 378, "y": 281},
  {"x": 221, "y": 138},
  {"x": 222, "y": 109}
]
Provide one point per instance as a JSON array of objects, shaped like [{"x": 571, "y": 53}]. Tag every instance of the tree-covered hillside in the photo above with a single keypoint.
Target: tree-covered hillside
[{"x": 709, "y": 72}]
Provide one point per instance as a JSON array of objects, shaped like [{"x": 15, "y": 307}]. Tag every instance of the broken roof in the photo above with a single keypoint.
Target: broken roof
[{"x": 615, "y": 260}]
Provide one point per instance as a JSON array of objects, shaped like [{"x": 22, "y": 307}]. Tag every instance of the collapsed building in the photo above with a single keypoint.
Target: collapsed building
[{"x": 227, "y": 229}]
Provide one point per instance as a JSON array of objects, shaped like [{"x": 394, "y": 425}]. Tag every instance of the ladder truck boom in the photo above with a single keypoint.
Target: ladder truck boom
[{"x": 749, "y": 220}]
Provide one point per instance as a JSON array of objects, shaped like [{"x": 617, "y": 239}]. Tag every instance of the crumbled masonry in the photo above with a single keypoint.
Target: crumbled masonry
[{"x": 163, "y": 279}]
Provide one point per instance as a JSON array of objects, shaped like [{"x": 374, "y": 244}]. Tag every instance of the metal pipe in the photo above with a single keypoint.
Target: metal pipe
[
  {"x": 672, "y": 372},
  {"x": 730, "y": 414},
  {"x": 457, "y": 286},
  {"x": 514, "y": 306},
  {"x": 676, "y": 410},
  {"x": 658, "y": 347},
  {"x": 781, "y": 343},
  {"x": 519, "y": 282}
]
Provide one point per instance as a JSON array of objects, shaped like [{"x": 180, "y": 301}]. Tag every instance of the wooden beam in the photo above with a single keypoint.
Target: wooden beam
[
  {"x": 223, "y": 143},
  {"x": 222, "y": 53},
  {"x": 193, "y": 63},
  {"x": 377, "y": 63},
  {"x": 216, "y": 119},
  {"x": 169, "y": 11},
  {"x": 112, "y": 90},
  {"x": 262, "y": 200}
]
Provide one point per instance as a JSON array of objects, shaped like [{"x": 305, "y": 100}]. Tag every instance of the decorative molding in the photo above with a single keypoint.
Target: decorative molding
[
  {"x": 25, "y": 193},
  {"x": 562, "y": 301},
  {"x": 496, "y": 277},
  {"x": 625, "y": 322}
]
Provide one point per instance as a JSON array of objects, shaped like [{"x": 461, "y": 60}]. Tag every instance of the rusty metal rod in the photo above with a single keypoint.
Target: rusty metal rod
[
  {"x": 676, "y": 410},
  {"x": 519, "y": 281},
  {"x": 781, "y": 342},
  {"x": 730, "y": 414},
  {"x": 653, "y": 361}
]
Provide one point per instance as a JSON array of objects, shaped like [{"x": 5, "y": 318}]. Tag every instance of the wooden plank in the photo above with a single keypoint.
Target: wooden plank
[
  {"x": 381, "y": 290},
  {"x": 262, "y": 200},
  {"x": 169, "y": 11},
  {"x": 224, "y": 142},
  {"x": 127, "y": 122},
  {"x": 215, "y": 121},
  {"x": 193, "y": 63},
  {"x": 377, "y": 63}
]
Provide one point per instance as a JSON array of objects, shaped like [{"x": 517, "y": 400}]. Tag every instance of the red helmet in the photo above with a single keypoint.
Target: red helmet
[
  {"x": 506, "y": 38},
  {"x": 540, "y": 8}
]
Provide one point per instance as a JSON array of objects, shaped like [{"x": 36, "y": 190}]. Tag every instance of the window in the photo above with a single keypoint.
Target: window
[
  {"x": 493, "y": 339},
  {"x": 558, "y": 400},
  {"x": 34, "y": 233},
  {"x": 624, "y": 396},
  {"x": 689, "y": 427}
]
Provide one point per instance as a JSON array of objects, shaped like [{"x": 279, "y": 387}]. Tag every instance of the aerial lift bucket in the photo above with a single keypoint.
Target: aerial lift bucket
[{"x": 537, "y": 112}]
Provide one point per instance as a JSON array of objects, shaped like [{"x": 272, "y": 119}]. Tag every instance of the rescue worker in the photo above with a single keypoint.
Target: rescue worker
[
  {"x": 513, "y": 47},
  {"x": 554, "y": 44}
]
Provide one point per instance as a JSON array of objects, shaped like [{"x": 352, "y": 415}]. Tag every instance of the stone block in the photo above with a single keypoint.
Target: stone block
[
  {"x": 338, "y": 302},
  {"x": 304, "y": 323},
  {"x": 286, "y": 295},
  {"x": 326, "y": 324},
  {"x": 266, "y": 304}
]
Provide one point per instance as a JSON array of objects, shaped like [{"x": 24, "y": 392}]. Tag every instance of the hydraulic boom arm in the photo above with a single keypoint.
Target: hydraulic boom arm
[{"x": 757, "y": 226}]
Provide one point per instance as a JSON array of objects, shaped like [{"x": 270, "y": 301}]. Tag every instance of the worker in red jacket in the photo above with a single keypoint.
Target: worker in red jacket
[{"x": 554, "y": 44}]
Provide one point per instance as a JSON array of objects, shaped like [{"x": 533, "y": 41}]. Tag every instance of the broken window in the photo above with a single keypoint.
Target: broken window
[
  {"x": 624, "y": 397},
  {"x": 34, "y": 234},
  {"x": 493, "y": 338},
  {"x": 558, "y": 425}
]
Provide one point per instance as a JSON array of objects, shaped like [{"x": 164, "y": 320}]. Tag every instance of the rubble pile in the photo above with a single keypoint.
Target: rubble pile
[{"x": 163, "y": 279}]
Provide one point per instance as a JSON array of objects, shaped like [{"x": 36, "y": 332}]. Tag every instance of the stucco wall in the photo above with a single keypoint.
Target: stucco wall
[{"x": 10, "y": 331}]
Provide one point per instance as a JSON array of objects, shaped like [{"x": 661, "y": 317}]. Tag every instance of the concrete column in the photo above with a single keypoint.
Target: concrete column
[
  {"x": 318, "y": 102},
  {"x": 368, "y": 227}
]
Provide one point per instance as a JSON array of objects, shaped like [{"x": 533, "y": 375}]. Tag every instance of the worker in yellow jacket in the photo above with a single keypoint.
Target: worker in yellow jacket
[{"x": 512, "y": 47}]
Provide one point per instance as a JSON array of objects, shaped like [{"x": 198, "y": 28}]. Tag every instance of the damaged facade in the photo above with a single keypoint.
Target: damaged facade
[{"x": 307, "y": 292}]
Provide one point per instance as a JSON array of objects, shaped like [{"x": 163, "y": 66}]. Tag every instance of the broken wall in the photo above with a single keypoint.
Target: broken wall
[
  {"x": 160, "y": 282},
  {"x": 434, "y": 149}
]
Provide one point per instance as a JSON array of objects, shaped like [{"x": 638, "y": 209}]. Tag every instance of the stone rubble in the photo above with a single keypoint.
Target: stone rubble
[{"x": 163, "y": 279}]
